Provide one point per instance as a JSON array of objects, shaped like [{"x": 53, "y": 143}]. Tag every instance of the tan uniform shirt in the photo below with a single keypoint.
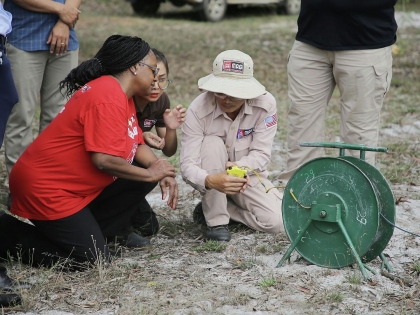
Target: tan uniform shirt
[{"x": 248, "y": 138}]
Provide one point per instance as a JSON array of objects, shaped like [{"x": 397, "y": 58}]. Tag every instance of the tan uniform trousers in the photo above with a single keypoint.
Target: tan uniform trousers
[
  {"x": 363, "y": 78},
  {"x": 254, "y": 207},
  {"x": 36, "y": 73}
]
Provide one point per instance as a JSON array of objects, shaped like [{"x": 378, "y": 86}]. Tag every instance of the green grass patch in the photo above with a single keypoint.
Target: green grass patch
[
  {"x": 267, "y": 282},
  {"x": 416, "y": 267},
  {"x": 401, "y": 163},
  {"x": 354, "y": 279},
  {"x": 336, "y": 297},
  {"x": 210, "y": 246}
]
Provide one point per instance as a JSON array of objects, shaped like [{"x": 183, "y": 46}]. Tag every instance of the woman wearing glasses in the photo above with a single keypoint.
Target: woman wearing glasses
[
  {"x": 154, "y": 110},
  {"x": 83, "y": 177}
]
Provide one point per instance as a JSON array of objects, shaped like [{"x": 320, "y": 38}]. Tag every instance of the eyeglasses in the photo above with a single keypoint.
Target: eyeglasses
[
  {"x": 224, "y": 96},
  {"x": 163, "y": 83},
  {"x": 154, "y": 69}
]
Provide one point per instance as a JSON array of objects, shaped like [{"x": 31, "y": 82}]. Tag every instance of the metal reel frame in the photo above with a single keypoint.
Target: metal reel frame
[{"x": 348, "y": 200}]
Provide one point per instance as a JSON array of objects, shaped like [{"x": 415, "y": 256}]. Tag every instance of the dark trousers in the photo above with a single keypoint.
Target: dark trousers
[
  {"x": 79, "y": 237},
  {"x": 8, "y": 93}
]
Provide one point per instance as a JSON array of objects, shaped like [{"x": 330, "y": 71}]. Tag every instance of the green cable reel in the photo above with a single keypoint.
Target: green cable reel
[{"x": 335, "y": 210}]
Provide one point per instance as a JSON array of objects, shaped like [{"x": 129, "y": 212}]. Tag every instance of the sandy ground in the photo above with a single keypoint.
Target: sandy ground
[{"x": 176, "y": 279}]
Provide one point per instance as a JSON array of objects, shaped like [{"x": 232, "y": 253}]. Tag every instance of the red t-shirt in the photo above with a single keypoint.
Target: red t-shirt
[{"x": 55, "y": 177}]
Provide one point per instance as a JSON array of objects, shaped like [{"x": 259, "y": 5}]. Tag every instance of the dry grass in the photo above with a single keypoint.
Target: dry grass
[{"x": 175, "y": 278}]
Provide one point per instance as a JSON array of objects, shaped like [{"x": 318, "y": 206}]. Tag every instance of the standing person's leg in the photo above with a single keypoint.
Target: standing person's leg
[
  {"x": 363, "y": 78},
  {"x": 311, "y": 84},
  {"x": 52, "y": 101},
  {"x": 8, "y": 93},
  {"x": 28, "y": 71}
]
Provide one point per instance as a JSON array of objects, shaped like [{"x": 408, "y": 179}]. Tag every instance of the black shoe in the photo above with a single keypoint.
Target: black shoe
[
  {"x": 218, "y": 233},
  {"x": 198, "y": 215},
  {"x": 145, "y": 220},
  {"x": 9, "y": 202},
  {"x": 10, "y": 300},
  {"x": 134, "y": 240},
  {"x": 8, "y": 284}
]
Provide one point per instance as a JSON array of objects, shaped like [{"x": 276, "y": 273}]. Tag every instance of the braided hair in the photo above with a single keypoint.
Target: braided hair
[{"x": 117, "y": 54}]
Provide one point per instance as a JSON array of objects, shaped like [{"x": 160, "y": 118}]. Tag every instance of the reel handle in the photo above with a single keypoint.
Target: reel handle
[{"x": 342, "y": 146}]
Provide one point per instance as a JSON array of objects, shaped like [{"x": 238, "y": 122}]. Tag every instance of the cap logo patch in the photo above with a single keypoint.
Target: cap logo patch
[{"x": 233, "y": 66}]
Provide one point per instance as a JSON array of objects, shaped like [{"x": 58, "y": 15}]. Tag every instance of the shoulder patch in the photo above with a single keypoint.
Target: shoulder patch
[{"x": 270, "y": 121}]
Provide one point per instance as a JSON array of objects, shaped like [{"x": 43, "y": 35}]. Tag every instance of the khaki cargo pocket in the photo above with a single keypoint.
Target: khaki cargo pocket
[{"x": 381, "y": 81}]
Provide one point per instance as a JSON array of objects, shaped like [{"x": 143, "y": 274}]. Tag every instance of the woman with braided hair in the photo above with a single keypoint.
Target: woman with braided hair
[{"x": 82, "y": 178}]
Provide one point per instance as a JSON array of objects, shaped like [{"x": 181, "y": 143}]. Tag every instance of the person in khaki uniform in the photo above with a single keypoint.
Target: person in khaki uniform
[
  {"x": 344, "y": 44},
  {"x": 233, "y": 123}
]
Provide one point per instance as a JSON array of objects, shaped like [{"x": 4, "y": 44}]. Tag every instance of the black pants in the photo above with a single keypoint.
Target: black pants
[{"x": 79, "y": 237}]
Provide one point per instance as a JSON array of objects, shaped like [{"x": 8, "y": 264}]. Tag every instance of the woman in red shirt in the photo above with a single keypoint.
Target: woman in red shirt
[{"x": 82, "y": 178}]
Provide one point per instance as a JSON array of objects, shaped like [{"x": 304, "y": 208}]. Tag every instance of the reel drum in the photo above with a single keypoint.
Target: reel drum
[{"x": 334, "y": 208}]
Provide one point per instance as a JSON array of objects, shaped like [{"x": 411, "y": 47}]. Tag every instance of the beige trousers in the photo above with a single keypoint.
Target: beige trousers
[
  {"x": 36, "y": 74},
  {"x": 363, "y": 78},
  {"x": 254, "y": 207}
]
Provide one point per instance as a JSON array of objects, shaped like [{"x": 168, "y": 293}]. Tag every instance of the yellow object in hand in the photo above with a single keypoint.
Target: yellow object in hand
[{"x": 237, "y": 171}]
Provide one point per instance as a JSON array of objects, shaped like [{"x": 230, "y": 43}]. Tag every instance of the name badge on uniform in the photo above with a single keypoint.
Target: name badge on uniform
[
  {"x": 242, "y": 133},
  {"x": 149, "y": 123}
]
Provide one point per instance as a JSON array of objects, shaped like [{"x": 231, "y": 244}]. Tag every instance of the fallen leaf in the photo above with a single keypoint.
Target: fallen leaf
[{"x": 303, "y": 289}]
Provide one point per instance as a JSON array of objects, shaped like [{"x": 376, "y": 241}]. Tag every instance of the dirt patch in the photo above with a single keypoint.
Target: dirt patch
[
  {"x": 176, "y": 278},
  {"x": 179, "y": 275}
]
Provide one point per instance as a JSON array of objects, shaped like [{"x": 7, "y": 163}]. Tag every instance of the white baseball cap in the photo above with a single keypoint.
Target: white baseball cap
[{"x": 233, "y": 75}]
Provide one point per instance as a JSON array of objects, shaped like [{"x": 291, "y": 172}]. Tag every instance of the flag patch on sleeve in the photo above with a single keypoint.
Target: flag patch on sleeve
[{"x": 270, "y": 121}]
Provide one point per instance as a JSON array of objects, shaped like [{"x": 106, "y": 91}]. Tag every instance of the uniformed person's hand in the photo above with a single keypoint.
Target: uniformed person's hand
[
  {"x": 159, "y": 169},
  {"x": 232, "y": 164},
  {"x": 168, "y": 184},
  {"x": 226, "y": 183}
]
